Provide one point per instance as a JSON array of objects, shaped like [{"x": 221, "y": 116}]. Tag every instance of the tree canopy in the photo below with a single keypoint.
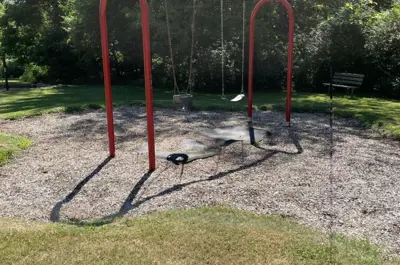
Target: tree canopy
[{"x": 59, "y": 41}]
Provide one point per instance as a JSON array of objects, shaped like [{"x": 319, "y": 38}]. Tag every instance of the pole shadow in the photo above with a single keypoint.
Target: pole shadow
[
  {"x": 129, "y": 203},
  {"x": 135, "y": 191},
  {"x": 55, "y": 212},
  {"x": 296, "y": 142}
]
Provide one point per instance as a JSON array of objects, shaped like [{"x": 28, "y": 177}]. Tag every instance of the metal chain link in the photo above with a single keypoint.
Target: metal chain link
[
  {"x": 243, "y": 42},
  {"x": 189, "y": 87},
  {"x": 171, "y": 53},
  {"x": 222, "y": 50}
]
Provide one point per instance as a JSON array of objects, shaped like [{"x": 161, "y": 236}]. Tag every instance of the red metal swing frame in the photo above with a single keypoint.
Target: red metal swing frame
[
  {"x": 147, "y": 79},
  {"x": 290, "y": 57},
  {"x": 148, "y": 74}
]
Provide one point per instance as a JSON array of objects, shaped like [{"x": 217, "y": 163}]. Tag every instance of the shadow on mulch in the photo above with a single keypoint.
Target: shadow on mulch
[
  {"x": 130, "y": 203},
  {"x": 55, "y": 212}
]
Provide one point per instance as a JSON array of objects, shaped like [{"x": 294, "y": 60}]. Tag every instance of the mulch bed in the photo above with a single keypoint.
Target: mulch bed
[{"x": 66, "y": 176}]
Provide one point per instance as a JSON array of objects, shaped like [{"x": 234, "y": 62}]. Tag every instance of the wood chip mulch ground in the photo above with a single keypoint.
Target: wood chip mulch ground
[{"x": 66, "y": 176}]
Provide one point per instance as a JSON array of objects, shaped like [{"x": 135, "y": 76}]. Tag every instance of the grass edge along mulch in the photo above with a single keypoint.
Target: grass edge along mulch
[
  {"x": 213, "y": 235},
  {"x": 381, "y": 115},
  {"x": 9, "y": 144}
]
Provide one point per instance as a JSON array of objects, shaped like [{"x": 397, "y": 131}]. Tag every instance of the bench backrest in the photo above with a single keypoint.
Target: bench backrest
[{"x": 348, "y": 79}]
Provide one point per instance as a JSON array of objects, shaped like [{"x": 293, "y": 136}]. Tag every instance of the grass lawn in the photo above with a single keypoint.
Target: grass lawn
[
  {"x": 14, "y": 83},
  {"x": 10, "y": 144},
  {"x": 380, "y": 114},
  {"x": 203, "y": 236}
]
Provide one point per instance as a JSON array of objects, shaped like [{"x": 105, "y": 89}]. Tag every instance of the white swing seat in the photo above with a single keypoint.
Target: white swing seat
[{"x": 238, "y": 98}]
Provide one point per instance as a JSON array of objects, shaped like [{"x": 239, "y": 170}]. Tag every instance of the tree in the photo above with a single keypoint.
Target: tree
[
  {"x": 3, "y": 54},
  {"x": 59, "y": 41},
  {"x": 5, "y": 71}
]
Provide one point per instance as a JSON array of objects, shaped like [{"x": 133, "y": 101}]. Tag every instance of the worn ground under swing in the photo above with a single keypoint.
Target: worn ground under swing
[{"x": 66, "y": 176}]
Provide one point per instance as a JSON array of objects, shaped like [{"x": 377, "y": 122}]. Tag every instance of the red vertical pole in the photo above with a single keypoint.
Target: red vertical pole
[
  {"x": 147, "y": 76},
  {"x": 251, "y": 60},
  {"x": 290, "y": 62},
  {"x": 251, "y": 57},
  {"x": 148, "y": 83},
  {"x": 107, "y": 76}
]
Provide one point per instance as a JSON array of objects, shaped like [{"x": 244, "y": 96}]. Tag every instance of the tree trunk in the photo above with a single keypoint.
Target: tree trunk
[{"x": 5, "y": 71}]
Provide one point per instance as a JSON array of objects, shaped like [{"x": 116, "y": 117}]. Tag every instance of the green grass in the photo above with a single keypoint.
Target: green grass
[
  {"x": 380, "y": 114},
  {"x": 13, "y": 82},
  {"x": 9, "y": 144},
  {"x": 203, "y": 236},
  {"x": 18, "y": 104}
]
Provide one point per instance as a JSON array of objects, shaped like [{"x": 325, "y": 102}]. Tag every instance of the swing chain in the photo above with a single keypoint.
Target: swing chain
[
  {"x": 222, "y": 51},
  {"x": 171, "y": 53},
  {"x": 223, "y": 47},
  {"x": 243, "y": 43},
  {"x": 189, "y": 87}
]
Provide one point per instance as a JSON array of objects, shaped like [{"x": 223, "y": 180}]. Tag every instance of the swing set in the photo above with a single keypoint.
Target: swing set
[
  {"x": 187, "y": 96},
  {"x": 181, "y": 98}
]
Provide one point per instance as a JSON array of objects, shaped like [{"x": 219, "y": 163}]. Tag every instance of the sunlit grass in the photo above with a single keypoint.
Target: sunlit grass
[
  {"x": 9, "y": 144},
  {"x": 13, "y": 82},
  {"x": 380, "y": 114},
  {"x": 203, "y": 236}
]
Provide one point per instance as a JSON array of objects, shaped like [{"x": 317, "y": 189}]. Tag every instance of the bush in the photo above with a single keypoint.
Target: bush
[
  {"x": 14, "y": 69},
  {"x": 383, "y": 48},
  {"x": 34, "y": 73},
  {"x": 358, "y": 38}
]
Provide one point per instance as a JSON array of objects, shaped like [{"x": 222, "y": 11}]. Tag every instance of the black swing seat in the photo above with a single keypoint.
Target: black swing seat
[{"x": 178, "y": 158}]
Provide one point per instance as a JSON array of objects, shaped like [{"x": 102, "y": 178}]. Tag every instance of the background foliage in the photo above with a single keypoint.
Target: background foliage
[{"x": 59, "y": 41}]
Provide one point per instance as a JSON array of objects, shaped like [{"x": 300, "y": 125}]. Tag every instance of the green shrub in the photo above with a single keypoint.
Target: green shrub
[
  {"x": 74, "y": 108},
  {"x": 34, "y": 73},
  {"x": 266, "y": 107},
  {"x": 358, "y": 38},
  {"x": 14, "y": 69},
  {"x": 383, "y": 48},
  {"x": 94, "y": 106}
]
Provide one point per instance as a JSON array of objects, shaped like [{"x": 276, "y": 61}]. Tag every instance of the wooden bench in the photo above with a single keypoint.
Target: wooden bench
[{"x": 349, "y": 81}]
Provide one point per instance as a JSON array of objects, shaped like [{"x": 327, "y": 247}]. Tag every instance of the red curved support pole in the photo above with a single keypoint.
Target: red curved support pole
[
  {"x": 290, "y": 57},
  {"x": 107, "y": 76},
  {"x": 148, "y": 83},
  {"x": 147, "y": 77}
]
